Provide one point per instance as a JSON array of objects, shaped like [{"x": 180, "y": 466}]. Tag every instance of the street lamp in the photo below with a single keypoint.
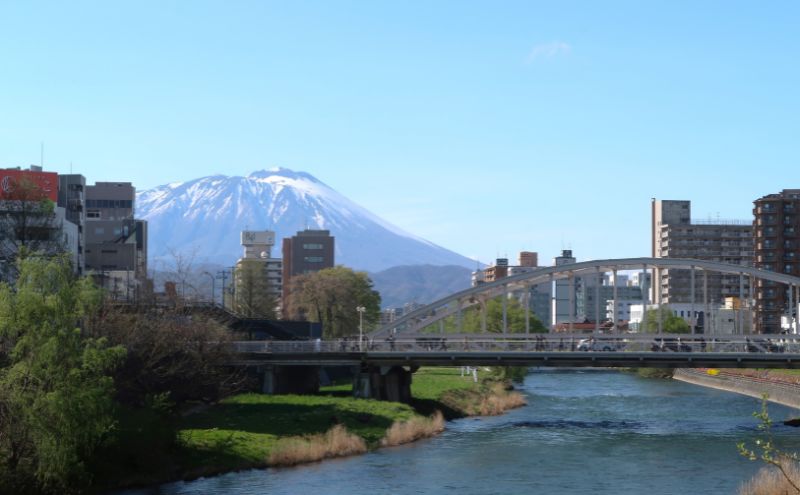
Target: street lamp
[{"x": 360, "y": 310}]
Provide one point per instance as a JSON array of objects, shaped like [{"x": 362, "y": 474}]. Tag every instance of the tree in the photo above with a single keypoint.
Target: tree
[
  {"x": 331, "y": 296},
  {"x": 670, "y": 322},
  {"x": 471, "y": 319},
  {"x": 28, "y": 224},
  {"x": 55, "y": 383},
  {"x": 254, "y": 296},
  {"x": 170, "y": 353}
]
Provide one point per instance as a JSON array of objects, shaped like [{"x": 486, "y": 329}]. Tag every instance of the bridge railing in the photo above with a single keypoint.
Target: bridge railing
[{"x": 549, "y": 344}]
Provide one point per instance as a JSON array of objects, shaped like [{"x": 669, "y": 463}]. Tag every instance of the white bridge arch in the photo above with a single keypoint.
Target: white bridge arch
[{"x": 455, "y": 303}]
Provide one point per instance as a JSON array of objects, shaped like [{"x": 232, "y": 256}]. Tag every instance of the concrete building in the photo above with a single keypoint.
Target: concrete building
[
  {"x": 528, "y": 259},
  {"x": 776, "y": 227},
  {"x": 585, "y": 300},
  {"x": 676, "y": 235},
  {"x": 306, "y": 252},
  {"x": 497, "y": 271},
  {"x": 729, "y": 318},
  {"x": 115, "y": 243},
  {"x": 563, "y": 302},
  {"x": 622, "y": 312},
  {"x": 72, "y": 197}
]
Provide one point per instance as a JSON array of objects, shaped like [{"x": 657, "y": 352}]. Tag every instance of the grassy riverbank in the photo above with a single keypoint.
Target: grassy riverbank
[{"x": 254, "y": 430}]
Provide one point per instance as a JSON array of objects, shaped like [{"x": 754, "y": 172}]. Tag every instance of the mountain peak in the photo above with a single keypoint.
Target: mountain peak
[
  {"x": 204, "y": 216},
  {"x": 281, "y": 172}
]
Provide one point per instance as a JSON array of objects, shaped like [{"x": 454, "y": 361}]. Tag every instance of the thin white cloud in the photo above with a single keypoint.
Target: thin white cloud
[{"x": 548, "y": 50}]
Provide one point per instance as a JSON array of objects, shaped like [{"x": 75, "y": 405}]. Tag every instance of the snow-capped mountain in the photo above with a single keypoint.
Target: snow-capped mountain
[{"x": 204, "y": 217}]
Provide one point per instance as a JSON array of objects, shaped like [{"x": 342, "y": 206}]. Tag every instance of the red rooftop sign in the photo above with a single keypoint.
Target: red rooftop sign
[{"x": 28, "y": 186}]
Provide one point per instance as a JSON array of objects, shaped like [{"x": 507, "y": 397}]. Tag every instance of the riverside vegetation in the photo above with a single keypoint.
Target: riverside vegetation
[{"x": 95, "y": 396}]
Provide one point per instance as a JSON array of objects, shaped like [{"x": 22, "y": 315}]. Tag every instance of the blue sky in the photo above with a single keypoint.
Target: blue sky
[{"x": 485, "y": 127}]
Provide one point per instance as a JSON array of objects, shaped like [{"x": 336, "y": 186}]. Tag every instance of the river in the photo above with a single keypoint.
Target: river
[{"x": 583, "y": 432}]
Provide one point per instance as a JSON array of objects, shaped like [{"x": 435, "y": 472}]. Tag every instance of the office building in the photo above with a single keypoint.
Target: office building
[
  {"x": 115, "y": 243},
  {"x": 306, "y": 252}
]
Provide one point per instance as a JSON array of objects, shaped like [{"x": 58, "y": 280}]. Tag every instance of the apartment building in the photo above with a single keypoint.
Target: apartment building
[
  {"x": 676, "y": 235},
  {"x": 776, "y": 226}
]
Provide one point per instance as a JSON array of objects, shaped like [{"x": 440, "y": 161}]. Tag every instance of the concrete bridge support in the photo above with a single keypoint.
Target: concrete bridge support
[
  {"x": 392, "y": 383},
  {"x": 290, "y": 379}
]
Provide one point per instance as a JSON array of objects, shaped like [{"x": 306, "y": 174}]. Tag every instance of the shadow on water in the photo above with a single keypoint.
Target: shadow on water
[{"x": 593, "y": 425}]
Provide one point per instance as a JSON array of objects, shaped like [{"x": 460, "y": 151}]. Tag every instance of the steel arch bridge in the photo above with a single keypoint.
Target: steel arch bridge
[{"x": 454, "y": 304}]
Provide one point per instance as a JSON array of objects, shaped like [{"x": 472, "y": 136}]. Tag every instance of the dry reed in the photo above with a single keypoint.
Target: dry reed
[
  {"x": 496, "y": 401},
  {"x": 770, "y": 481},
  {"x": 414, "y": 429},
  {"x": 336, "y": 442}
]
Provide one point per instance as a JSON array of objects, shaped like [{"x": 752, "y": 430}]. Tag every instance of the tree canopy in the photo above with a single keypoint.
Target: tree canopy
[
  {"x": 55, "y": 385},
  {"x": 331, "y": 296},
  {"x": 670, "y": 322}
]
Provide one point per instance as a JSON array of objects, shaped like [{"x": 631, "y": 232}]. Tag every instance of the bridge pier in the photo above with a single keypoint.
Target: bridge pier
[
  {"x": 392, "y": 383},
  {"x": 289, "y": 379}
]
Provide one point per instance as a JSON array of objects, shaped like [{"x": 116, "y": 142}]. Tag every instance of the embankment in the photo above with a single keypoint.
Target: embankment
[
  {"x": 255, "y": 431},
  {"x": 753, "y": 384}
]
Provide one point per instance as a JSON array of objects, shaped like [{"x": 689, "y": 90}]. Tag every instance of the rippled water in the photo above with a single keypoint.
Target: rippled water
[{"x": 593, "y": 432}]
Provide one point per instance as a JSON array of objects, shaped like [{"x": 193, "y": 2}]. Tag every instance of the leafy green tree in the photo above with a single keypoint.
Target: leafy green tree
[
  {"x": 331, "y": 296},
  {"x": 670, "y": 323},
  {"x": 471, "y": 319},
  {"x": 676, "y": 324},
  {"x": 55, "y": 389}
]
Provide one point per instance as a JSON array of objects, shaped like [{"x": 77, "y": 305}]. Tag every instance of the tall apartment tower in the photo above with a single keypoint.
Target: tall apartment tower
[
  {"x": 675, "y": 235},
  {"x": 776, "y": 225},
  {"x": 307, "y": 251},
  {"x": 115, "y": 243}
]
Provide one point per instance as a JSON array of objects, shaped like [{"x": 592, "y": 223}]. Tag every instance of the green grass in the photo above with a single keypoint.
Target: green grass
[
  {"x": 432, "y": 383},
  {"x": 241, "y": 431}
]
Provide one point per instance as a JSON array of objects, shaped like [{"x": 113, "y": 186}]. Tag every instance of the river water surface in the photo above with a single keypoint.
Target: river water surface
[{"x": 592, "y": 432}]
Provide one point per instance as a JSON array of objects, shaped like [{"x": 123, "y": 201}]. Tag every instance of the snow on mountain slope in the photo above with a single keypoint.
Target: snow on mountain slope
[{"x": 204, "y": 217}]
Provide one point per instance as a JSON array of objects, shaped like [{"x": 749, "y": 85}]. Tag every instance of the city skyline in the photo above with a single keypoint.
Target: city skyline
[{"x": 540, "y": 127}]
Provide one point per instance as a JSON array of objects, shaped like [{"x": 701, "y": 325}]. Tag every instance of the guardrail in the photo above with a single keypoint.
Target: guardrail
[{"x": 639, "y": 344}]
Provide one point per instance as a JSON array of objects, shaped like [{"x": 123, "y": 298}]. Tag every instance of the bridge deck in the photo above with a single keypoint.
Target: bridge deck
[{"x": 611, "y": 351}]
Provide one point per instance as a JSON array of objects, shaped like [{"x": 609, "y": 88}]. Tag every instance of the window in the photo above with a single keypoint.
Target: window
[
  {"x": 108, "y": 251},
  {"x": 99, "y": 231},
  {"x": 93, "y": 214},
  {"x": 312, "y": 246},
  {"x": 313, "y": 259},
  {"x": 117, "y": 230}
]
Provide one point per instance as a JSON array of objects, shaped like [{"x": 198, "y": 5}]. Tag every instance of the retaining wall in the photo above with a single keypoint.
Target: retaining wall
[{"x": 787, "y": 394}]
